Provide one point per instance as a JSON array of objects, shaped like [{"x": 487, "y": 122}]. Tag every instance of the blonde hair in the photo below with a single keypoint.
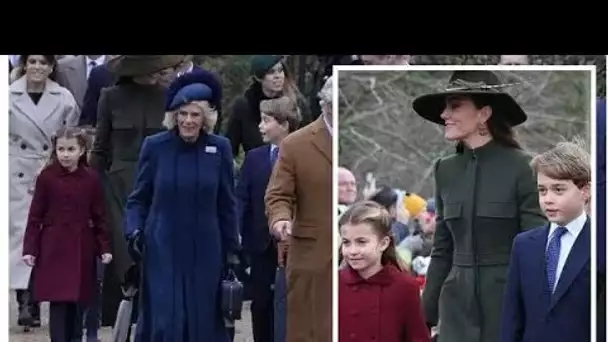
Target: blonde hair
[
  {"x": 209, "y": 117},
  {"x": 566, "y": 161},
  {"x": 380, "y": 220},
  {"x": 283, "y": 109}
]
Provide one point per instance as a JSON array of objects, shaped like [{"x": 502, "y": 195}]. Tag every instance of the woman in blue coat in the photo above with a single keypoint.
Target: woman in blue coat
[{"x": 181, "y": 217}]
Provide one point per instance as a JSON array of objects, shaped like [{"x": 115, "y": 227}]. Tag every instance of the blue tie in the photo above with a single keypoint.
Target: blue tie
[
  {"x": 552, "y": 255},
  {"x": 274, "y": 155}
]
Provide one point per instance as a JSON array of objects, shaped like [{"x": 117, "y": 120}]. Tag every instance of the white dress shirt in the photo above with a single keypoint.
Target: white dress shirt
[
  {"x": 99, "y": 61},
  {"x": 327, "y": 125},
  {"x": 574, "y": 229}
]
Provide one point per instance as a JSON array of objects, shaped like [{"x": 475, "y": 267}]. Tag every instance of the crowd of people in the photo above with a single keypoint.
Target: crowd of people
[{"x": 122, "y": 177}]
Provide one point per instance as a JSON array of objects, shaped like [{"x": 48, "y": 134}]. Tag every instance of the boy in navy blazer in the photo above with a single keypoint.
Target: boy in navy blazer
[
  {"x": 548, "y": 292},
  {"x": 279, "y": 117}
]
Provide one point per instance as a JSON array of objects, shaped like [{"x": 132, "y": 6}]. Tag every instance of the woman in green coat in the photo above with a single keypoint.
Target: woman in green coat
[
  {"x": 128, "y": 112},
  {"x": 485, "y": 195}
]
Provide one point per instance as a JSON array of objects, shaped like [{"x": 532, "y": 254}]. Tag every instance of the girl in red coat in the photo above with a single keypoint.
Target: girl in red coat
[
  {"x": 65, "y": 233},
  {"x": 378, "y": 300}
]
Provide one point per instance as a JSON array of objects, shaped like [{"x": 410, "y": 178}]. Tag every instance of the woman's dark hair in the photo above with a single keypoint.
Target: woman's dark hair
[
  {"x": 498, "y": 127},
  {"x": 70, "y": 133},
  {"x": 290, "y": 89},
  {"x": 386, "y": 197},
  {"x": 51, "y": 59}
]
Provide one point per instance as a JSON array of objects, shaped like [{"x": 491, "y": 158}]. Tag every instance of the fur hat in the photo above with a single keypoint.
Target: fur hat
[
  {"x": 198, "y": 85},
  {"x": 141, "y": 65}
]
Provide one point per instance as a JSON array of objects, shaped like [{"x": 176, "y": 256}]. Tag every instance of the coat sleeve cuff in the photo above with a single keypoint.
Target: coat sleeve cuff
[{"x": 282, "y": 216}]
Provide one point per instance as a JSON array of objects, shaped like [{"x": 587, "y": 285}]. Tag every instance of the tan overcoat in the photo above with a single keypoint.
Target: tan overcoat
[{"x": 303, "y": 175}]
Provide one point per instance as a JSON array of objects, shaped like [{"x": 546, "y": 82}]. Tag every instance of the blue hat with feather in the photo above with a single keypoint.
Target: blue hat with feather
[{"x": 198, "y": 85}]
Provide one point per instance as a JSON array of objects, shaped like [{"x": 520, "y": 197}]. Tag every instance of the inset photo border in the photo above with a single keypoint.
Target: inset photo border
[{"x": 384, "y": 143}]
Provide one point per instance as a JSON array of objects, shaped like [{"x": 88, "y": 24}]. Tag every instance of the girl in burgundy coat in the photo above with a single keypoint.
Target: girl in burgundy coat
[
  {"x": 65, "y": 233},
  {"x": 378, "y": 300}
]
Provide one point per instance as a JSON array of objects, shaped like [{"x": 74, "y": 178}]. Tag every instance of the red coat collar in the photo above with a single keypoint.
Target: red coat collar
[
  {"x": 385, "y": 277},
  {"x": 60, "y": 170}
]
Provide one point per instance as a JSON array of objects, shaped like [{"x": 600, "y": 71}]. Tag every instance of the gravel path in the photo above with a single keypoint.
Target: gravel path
[{"x": 243, "y": 327}]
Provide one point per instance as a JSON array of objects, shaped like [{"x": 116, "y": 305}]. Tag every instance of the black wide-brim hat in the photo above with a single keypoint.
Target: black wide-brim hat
[
  {"x": 471, "y": 83},
  {"x": 141, "y": 65}
]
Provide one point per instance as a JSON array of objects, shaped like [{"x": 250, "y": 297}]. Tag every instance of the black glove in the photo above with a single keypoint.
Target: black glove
[
  {"x": 135, "y": 246},
  {"x": 132, "y": 277},
  {"x": 244, "y": 260}
]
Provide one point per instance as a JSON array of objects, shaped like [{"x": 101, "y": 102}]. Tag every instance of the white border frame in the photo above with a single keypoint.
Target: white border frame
[
  {"x": 4, "y": 205},
  {"x": 592, "y": 124}
]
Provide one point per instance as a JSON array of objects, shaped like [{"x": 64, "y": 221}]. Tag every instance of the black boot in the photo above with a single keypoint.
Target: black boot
[
  {"x": 35, "y": 312},
  {"x": 25, "y": 317}
]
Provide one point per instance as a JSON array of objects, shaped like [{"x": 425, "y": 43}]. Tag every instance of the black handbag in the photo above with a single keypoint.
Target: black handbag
[{"x": 232, "y": 296}]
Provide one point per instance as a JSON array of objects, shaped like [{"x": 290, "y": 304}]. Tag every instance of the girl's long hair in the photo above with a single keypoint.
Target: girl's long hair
[
  {"x": 379, "y": 219},
  {"x": 77, "y": 133}
]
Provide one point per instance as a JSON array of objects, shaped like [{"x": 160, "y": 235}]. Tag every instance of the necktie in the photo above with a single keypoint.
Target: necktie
[
  {"x": 552, "y": 256},
  {"x": 92, "y": 64},
  {"x": 274, "y": 155}
]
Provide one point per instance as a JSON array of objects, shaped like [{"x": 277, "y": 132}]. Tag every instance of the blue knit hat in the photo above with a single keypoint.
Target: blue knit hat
[{"x": 198, "y": 85}]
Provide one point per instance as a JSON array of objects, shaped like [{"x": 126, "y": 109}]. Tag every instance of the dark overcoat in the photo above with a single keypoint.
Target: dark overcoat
[
  {"x": 184, "y": 206},
  {"x": 66, "y": 232},
  {"x": 484, "y": 198},
  {"x": 127, "y": 113}
]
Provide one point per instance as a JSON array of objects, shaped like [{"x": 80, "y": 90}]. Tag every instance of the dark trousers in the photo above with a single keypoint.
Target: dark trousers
[
  {"x": 263, "y": 270},
  {"x": 601, "y": 308},
  {"x": 92, "y": 312},
  {"x": 280, "y": 305},
  {"x": 63, "y": 318}
]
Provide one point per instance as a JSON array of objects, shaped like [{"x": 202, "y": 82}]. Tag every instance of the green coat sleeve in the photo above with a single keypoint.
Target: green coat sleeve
[
  {"x": 530, "y": 213},
  {"x": 441, "y": 260}
]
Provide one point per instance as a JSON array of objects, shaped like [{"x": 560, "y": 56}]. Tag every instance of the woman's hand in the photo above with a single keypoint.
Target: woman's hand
[
  {"x": 29, "y": 260},
  {"x": 106, "y": 258}
]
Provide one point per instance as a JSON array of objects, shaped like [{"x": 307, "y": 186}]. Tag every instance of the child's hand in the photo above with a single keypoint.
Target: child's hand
[
  {"x": 106, "y": 258},
  {"x": 29, "y": 260}
]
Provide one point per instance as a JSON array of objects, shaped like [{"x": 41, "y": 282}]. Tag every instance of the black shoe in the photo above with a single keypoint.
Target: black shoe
[
  {"x": 35, "y": 311},
  {"x": 36, "y": 323},
  {"x": 24, "y": 317}
]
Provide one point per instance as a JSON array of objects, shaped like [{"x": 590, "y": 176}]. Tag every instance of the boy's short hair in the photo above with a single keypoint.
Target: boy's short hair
[
  {"x": 566, "y": 161},
  {"x": 283, "y": 109}
]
